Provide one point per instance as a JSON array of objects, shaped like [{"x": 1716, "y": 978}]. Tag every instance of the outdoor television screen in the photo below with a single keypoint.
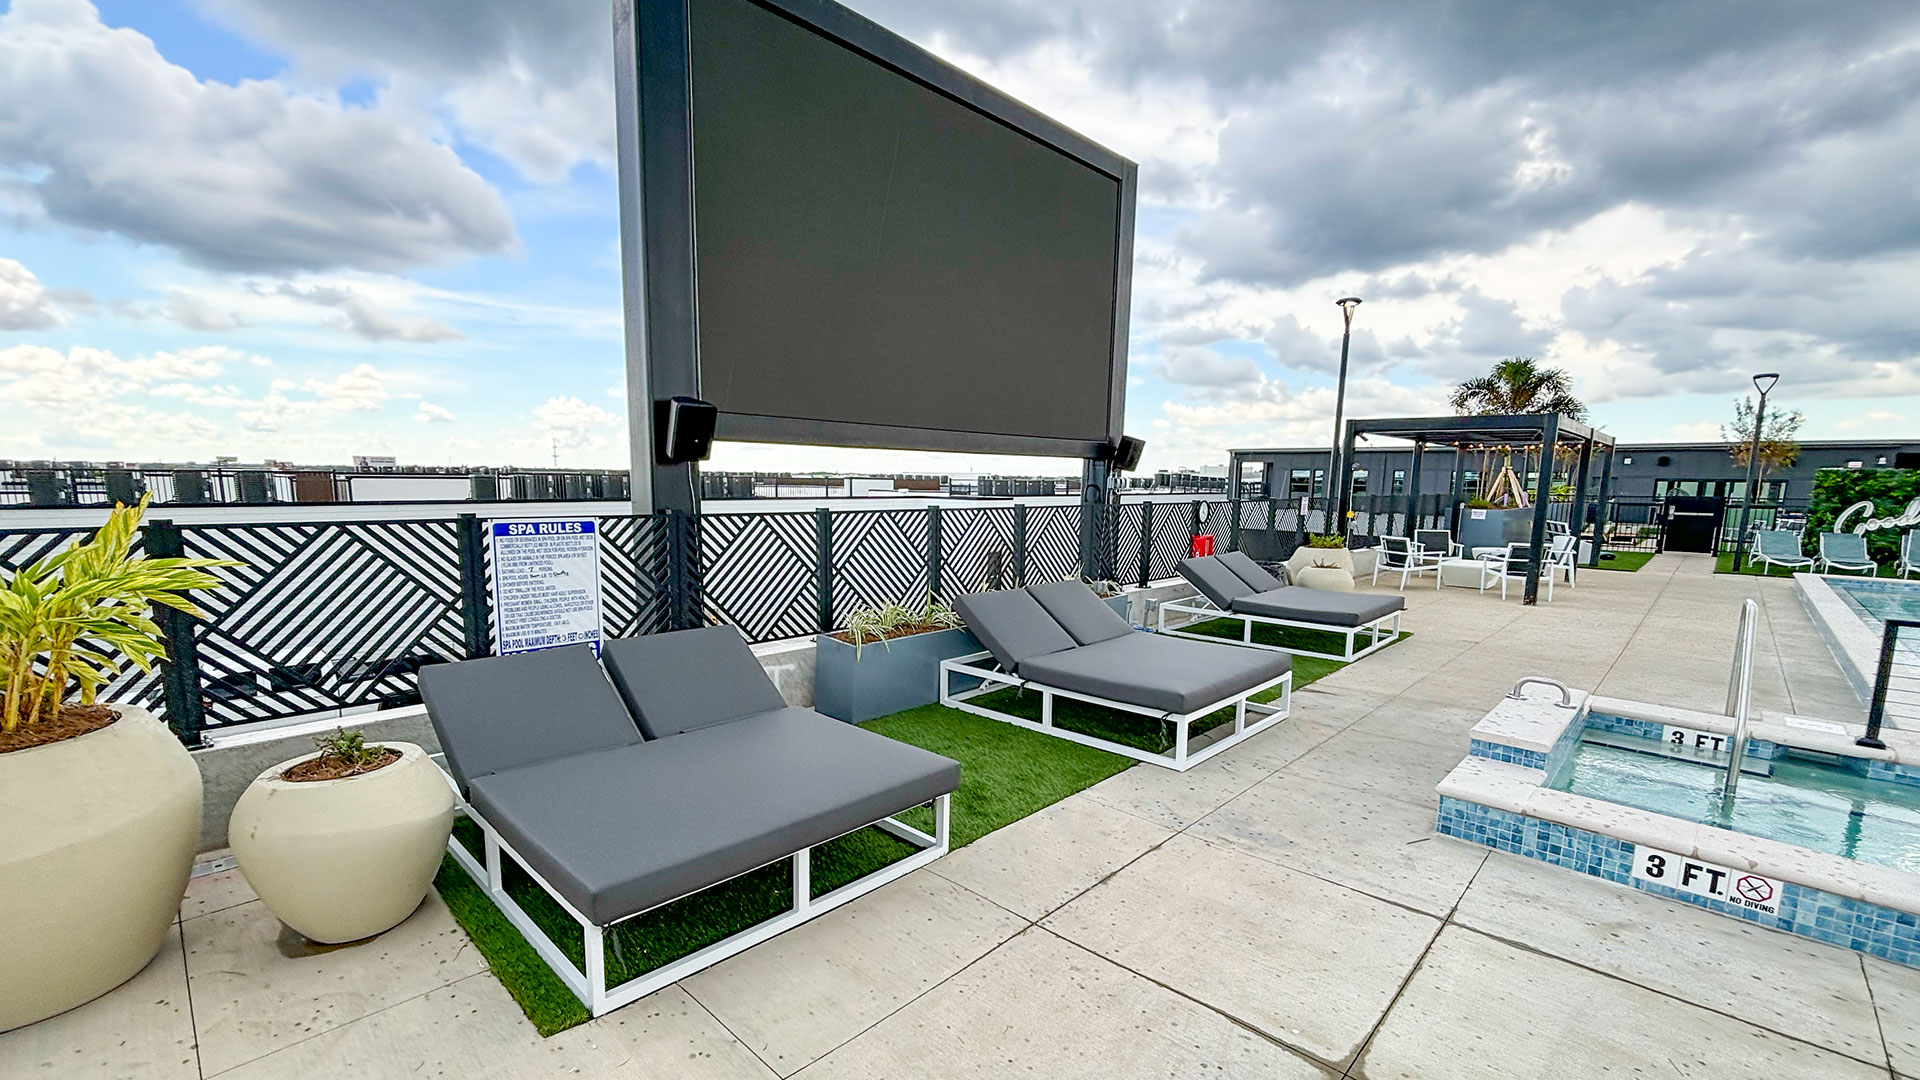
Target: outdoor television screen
[{"x": 870, "y": 250}]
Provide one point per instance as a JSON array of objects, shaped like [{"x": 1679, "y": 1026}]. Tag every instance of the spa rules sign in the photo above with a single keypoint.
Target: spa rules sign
[{"x": 546, "y": 585}]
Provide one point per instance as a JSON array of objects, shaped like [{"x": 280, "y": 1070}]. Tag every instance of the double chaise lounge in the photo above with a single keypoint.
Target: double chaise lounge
[
  {"x": 1063, "y": 642},
  {"x": 675, "y": 767},
  {"x": 1233, "y": 586}
]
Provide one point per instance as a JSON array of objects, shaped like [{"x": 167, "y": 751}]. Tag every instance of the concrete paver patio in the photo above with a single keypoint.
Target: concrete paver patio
[{"x": 1284, "y": 910}]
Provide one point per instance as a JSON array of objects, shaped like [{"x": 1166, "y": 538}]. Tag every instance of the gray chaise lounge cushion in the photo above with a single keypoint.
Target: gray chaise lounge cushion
[
  {"x": 504, "y": 712},
  {"x": 1153, "y": 671},
  {"x": 1297, "y": 604},
  {"x": 1214, "y": 580},
  {"x": 617, "y": 832},
  {"x": 1248, "y": 571},
  {"x": 1084, "y": 616},
  {"x": 690, "y": 679},
  {"x": 1013, "y": 625}
]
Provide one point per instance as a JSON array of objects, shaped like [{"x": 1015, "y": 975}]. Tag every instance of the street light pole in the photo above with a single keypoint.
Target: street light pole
[
  {"x": 1347, "y": 304},
  {"x": 1763, "y": 382}
]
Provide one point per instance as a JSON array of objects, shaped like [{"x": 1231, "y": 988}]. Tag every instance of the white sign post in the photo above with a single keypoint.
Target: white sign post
[{"x": 546, "y": 585}]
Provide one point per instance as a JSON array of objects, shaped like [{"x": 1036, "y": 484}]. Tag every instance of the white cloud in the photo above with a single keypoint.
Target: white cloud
[
  {"x": 429, "y": 413},
  {"x": 1701, "y": 431},
  {"x": 112, "y": 137},
  {"x": 24, "y": 303},
  {"x": 366, "y": 319},
  {"x": 572, "y": 424}
]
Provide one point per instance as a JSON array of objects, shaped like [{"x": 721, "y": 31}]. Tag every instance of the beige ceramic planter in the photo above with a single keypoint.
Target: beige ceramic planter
[
  {"x": 341, "y": 860},
  {"x": 97, "y": 836},
  {"x": 1302, "y": 571}
]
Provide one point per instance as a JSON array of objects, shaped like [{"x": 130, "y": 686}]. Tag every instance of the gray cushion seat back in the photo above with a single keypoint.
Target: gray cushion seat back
[
  {"x": 1013, "y": 625},
  {"x": 618, "y": 832},
  {"x": 1154, "y": 671},
  {"x": 689, "y": 679},
  {"x": 1248, "y": 571},
  {"x": 1297, "y": 604},
  {"x": 1214, "y": 580},
  {"x": 507, "y": 712},
  {"x": 1085, "y": 617}
]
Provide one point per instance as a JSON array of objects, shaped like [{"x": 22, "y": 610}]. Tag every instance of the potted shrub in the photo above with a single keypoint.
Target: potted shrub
[
  {"x": 887, "y": 659},
  {"x": 1324, "y": 563},
  {"x": 101, "y": 803},
  {"x": 342, "y": 843}
]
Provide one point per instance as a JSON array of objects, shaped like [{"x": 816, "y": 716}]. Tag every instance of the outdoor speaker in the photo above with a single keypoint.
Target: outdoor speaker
[
  {"x": 1126, "y": 456},
  {"x": 683, "y": 429}
]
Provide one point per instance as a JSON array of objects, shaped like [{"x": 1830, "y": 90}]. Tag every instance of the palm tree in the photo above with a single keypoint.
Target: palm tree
[{"x": 1516, "y": 386}]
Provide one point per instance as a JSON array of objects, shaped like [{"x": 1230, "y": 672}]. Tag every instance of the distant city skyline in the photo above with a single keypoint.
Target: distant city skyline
[{"x": 265, "y": 228}]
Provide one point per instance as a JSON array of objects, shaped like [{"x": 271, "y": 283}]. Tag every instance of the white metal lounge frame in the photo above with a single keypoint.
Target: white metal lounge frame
[
  {"x": 1197, "y": 607},
  {"x": 590, "y": 986},
  {"x": 971, "y": 666}
]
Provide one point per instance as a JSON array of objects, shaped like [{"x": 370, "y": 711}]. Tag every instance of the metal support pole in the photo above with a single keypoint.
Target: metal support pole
[
  {"x": 1146, "y": 542},
  {"x": 1334, "y": 463},
  {"x": 1753, "y": 472},
  {"x": 823, "y": 568},
  {"x": 933, "y": 550},
  {"x": 1413, "y": 487},
  {"x": 683, "y": 571},
  {"x": 476, "y": 618},
  {"x": 1600, "y": 508},
  {"x": 1194, "y": 526},
  {"x": 1233, "y": 523},
  {"x": 1095, "y": 476},
  {"x": 1338, "y": 526},
  {"x": 1577, "y": 515},
  {"x": 1882, "y": 682},
  {"x": 1542, "y": 493},
  {"x": 1018, "y": 572},
  {"x": 180, "y": 671}
]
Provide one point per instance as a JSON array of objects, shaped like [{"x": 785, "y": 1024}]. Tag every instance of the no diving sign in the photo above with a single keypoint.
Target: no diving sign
[{"x": 1701, "y": 878}]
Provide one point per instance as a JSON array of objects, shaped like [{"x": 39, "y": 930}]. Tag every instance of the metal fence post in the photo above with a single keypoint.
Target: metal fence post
[
  {"x": 180, "y": 671},
  {"x": 933, "y": 550},
  {"x": 1019, "y": 573},
  {"x": 1233, "y": 523},
  {"x": 475, "y": 617},
  {"x": 683, "y": 571},
  {"x": 823, "y": 568},
  {"x": 1197, "y": 524},
  {"x": 1146, "y": 542}
]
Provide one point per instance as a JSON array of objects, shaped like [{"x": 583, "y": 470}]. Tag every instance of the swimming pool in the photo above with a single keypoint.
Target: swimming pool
[
  {"x": 1812, "y": 801},
  {"x": 1851, "y": 615},
  {"x": 1879, "y": 599}
]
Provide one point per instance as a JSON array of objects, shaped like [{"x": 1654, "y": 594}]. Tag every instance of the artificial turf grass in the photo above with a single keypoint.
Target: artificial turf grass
[
  {"x": 1006, "y": 773},
  {"x": 1621, "y": 560}
]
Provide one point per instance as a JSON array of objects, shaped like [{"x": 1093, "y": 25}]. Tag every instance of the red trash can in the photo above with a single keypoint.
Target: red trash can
[{"x": 1203, "y": 545}]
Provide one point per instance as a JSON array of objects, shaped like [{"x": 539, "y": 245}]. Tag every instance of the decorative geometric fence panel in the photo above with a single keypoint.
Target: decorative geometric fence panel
[
  {"x": 1126, "y": 541},
  {"x": 1173, "y": 537},
  {"x": 127, "y": 683},
  {"x": 1053, "y": 544},
  {"x": 757, "y": 572},
  {"x": 879, "y": 557},
  {"x": 633, "y": 576},
  {"x": 323, "y": 616},
  {"x": 976, "y": 549}
]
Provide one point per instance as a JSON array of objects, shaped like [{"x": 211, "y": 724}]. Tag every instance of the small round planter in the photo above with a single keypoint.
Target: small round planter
[
  {"x": 1329, "y": 578},
  {"x": 341, "y": 860},
  {"x": 99, "y": 837}
]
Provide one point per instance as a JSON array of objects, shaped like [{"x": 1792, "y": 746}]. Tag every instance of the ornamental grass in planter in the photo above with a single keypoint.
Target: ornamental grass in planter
[
  {"x": 101, "y": 802},
  {"x": 341, "y": 844},
  {"x": 855, "y": 682}
]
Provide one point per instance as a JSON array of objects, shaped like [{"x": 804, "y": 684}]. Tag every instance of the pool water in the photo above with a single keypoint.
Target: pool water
[
  {"x": 1806, "y": 802},
  {"x": 1880, "y": 599}
]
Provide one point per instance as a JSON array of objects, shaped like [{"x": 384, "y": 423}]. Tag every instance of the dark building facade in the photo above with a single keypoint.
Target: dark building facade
[{"x": 1642, "y": 472}]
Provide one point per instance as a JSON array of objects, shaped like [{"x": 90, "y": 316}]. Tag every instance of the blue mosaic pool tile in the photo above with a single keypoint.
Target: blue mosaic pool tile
[
  {"x": 1645, "y": 729},
  {"x": 1513, "y": 755},
  {"x": 1822, "y": 916},
  {"x": 1874, "y": 769}
]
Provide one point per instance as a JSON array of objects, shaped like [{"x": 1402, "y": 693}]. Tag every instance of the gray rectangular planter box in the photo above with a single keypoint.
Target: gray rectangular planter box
[
  {"x": 901, "y": 674},
  {"x": 1499, "y": 527}
]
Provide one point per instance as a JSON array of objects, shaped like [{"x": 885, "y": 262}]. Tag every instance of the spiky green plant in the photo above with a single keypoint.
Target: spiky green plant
[
  {"x": 886, "y": 621},
  {"x": 95, "y": 592}
]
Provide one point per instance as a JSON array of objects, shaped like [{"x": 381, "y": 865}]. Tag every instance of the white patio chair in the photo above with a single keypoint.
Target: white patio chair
[
  {"x": 1778, "y": 547},
  {"x": 1909, "y": 553},
  {"x": 1401, "y": 555},
  {"x": 1438, "y": 542},
  {"x": 1511, "y": 565},
  {"x": 1846, "y": 551},
  {"x": 1563, "y": 556}
]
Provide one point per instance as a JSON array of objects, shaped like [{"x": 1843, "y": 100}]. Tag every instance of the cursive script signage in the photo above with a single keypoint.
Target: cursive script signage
[{"x": 1909, "y": 516}]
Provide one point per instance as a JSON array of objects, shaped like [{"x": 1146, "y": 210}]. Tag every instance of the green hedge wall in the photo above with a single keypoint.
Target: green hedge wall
[{"x": 1836, "y": 489}]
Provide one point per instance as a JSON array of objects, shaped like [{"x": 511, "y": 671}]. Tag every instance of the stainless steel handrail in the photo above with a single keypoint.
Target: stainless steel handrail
[
  {"x": 1566, "y": 694},
  {"x": 1740, "y": 695}
]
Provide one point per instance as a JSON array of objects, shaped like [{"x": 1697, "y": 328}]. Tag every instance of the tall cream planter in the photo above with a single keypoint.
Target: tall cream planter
[
  {"x": 97, "y": 837},
  {"x": 340, "y": 860}
]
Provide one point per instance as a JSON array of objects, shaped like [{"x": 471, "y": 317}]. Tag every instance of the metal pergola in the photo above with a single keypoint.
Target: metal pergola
[{"x": 1549, "y": 431}]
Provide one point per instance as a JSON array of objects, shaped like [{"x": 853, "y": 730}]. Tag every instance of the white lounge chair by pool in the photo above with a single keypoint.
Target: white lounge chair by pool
[
  {"x": 1778, "y": 547},
  {"x": 1846, "y": 551},
  {"x": 1909, "y": 553}
]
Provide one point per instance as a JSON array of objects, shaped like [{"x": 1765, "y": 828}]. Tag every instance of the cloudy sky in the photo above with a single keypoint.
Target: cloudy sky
[{"x": 297, "y": 230}]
